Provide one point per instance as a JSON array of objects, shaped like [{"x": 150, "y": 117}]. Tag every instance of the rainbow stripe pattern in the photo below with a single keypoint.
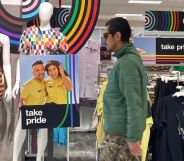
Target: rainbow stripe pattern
[
  {"x": 30, "y": 9},
  {"x": 81, "y": 22},
  {"x": 164, "y": 21},
  {"x": 78, "y": 27},
  {"x": 10, "y": 26}
]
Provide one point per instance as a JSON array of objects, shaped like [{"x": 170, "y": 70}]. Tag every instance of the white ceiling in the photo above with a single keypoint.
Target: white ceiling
[{"x": 110, "y": 7}]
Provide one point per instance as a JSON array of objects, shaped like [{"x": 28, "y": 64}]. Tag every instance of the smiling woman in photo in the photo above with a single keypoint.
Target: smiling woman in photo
[
  {"x": 58, "y": 83},
  {"x": 57, "y": 86}
]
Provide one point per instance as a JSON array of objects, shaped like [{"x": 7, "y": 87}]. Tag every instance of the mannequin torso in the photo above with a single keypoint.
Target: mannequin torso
[
  {"x": 42, "y": 40},
  {"x": 5, "y": 63}
]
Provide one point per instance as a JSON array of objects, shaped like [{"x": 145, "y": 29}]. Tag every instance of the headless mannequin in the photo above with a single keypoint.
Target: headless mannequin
[
  {"x": 45, "y": 13},
  {"x": 6, "y": 65}
]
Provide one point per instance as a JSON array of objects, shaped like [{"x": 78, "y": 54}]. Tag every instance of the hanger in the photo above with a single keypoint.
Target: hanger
[
  {"x": 180, "y": 93},
  {"x": 181, "y": 88}
]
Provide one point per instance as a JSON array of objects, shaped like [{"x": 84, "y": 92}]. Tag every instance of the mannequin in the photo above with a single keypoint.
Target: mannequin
[
  {"x": 6, "y": 65},
  {"x": 26, "y": 47},
  {"x": 45, "y": 13},
  {"x": 7, "y": 112}
]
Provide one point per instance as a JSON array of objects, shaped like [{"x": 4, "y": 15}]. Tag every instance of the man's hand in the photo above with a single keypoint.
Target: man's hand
[{"x": 135, "y": 148}]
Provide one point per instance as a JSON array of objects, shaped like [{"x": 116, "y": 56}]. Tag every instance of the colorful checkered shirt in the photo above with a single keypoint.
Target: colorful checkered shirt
[{"x": 33, "y": 42}]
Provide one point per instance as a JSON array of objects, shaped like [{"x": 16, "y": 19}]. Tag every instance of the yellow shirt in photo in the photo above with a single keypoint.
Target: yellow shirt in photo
[
  {"x": 33, "y": 93},
  {"x": 56, "y": 93}
]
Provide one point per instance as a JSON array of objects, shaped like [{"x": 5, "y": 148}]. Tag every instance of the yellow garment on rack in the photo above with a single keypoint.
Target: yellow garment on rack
[
  {"x": 99, "y": 110},
  {"x": 146, "y": 133},
  {"x": 145, "y": 138}
]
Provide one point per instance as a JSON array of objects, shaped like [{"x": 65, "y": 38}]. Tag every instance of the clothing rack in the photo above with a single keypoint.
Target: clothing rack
[
  {"x": 152, "y": 77},
  {"x": 161, "y": 117}
]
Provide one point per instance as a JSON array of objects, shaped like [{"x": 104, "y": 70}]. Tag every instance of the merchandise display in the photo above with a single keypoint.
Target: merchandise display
[
  {"x": 73, "y": 35},
  {"x": 167, "y": 112},
  {"x": 89, "y": 58},
  {"x": 39, "y": 47},
  {"x": 45, "y": 42},
  {"x": 104, "y": 69}
]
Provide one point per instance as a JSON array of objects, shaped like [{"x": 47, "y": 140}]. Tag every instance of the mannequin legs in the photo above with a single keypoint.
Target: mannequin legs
[
  {"x": 41, "y": 143},
  {"x": 20, "y": 135}
]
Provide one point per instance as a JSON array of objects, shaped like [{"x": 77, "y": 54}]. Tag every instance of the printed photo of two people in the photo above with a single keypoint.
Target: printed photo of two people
[{"x": 49, "y": 91}]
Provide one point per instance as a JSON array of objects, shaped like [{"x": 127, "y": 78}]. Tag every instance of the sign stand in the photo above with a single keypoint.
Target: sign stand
[
  {"x": 50, "y": 145},
  {"x": 67, "y": 146}
]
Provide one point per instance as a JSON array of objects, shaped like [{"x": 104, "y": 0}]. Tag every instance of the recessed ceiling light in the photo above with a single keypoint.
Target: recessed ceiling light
[
  {"x": 66, "y": 6},
  {"x": 128, "y": 15},
  {"x": 17, "y": 2},
  {"x": 145, "y": 2}
]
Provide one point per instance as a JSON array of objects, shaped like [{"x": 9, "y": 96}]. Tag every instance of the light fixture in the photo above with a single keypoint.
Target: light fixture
[
  {"x": 128, "y": 15},
  {"x": 138, "y": 17},
  {"x": 11, "y": 2},
  {"x": 66, "y": 6},
  {"x": 145, "y": 2}
]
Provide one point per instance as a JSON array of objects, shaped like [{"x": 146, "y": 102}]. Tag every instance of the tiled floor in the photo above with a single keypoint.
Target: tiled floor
[{"x": 82, "y": 148}]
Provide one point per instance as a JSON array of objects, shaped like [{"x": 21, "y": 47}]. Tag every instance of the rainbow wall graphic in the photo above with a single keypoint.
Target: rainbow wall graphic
[
  {"x": 12, "y": 26},
  {"x": 78, "y": 27},
  {"x": 60, "y": 17},
  {"x": 30, "y": 9},
  {"x": 164, "y": 21}
]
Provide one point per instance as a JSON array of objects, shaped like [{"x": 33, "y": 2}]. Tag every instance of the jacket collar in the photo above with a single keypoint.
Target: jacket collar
[{"x": 123, "y": 50}]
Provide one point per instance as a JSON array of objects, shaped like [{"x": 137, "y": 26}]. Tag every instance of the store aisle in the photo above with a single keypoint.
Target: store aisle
[{"x": 82, "y": 146}]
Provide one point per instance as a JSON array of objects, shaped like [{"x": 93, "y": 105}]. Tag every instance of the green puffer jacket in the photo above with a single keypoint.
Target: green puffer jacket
[{"x": 125, "y": 98}]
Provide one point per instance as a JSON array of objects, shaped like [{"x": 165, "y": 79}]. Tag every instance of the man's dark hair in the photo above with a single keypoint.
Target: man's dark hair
[
  {"x": 119, "y": 24},
  {"x": 37, "y": 62}
]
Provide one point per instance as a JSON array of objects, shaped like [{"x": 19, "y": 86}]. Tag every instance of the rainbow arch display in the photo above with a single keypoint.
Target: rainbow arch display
[
  {"x": 12, "y": 26},
  {"x": 164, "y": 21},
  {"x": 81, "y": 23},
  {"x": 60, "y": 17},
  {"x": 30, "y": 9},
  {"x": 78, "y": 28}
]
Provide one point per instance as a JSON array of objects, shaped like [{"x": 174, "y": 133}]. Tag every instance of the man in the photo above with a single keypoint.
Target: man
[
  {"x": 125, "y": 97},
  {"x": 33, "y": 91}
]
